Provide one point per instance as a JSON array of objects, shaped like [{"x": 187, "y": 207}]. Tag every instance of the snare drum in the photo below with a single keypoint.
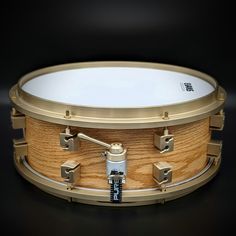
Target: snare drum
[{"x": 117, "y": 133}]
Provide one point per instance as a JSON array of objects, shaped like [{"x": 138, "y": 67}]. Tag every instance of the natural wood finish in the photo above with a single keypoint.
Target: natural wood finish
[{"x": 46, "y": 156}]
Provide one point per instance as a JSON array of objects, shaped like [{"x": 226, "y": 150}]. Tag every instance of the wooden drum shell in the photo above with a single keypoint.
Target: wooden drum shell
[{"x": 189, "y": 157}]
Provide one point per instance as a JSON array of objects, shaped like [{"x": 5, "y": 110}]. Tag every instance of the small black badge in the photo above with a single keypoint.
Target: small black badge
[
  {"x": 187, "y": 87},
  {"x": 116, "y": 188}
]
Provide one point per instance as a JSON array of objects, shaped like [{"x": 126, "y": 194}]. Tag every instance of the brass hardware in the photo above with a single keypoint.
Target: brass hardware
[
  {"x": 165, "y": 116},
  {"x": 70, "y": 171},
  {"x": 20, "y": 146},
  {"x": 164, "y": 142},
  {"x": 217, "y": 121},
  {"x": 162, "y": 173},
  {"x": 67, "y": 114},
  {"x": 214, "y": 148},
  {"x": 221, "y": 94},
  {"x": 69, "y": 141},
  {"x": 17, "y": 119},
  {"x": 130, "y": 197},
  {"x": 110, "y": 118}
]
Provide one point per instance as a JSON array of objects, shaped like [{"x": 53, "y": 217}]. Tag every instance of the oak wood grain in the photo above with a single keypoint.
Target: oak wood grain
[{"x": 189, "y": 156}]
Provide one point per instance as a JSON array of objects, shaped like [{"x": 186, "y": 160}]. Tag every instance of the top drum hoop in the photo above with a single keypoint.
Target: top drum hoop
[{"x": 118, "y": 117}]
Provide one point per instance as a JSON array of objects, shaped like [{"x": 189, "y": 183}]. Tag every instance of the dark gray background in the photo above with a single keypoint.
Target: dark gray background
[{"x": 195, "y": 34}]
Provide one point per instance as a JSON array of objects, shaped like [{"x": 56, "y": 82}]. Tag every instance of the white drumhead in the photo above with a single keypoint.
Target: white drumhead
[{"x": 118, "y": 87}]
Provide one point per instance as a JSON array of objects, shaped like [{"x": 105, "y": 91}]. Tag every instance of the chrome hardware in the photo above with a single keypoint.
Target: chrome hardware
[
  {"x": 162, "y": 173},
  {"x": 70, "y": 171},
  {"x": 116, "y": 161},
  {"x": 214, "y": 148},
  {"x": 164, "y": 142},
  {"x": 17, "y": 119},
  {"x": 217, "y": 121},
  {"x": 115, "y": 155},
  {"x": 93, "y": 140}
]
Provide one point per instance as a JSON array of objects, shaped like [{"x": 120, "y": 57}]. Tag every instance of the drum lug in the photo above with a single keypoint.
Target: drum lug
[
  {"x": 20, "y": 148},
  {"x": 162, "y": 173},
  {"x": 69, "y": 141},
  {"x": 17, "y": 119},
  {"x": 164, "y": 142},
  {"x": 217, "y": 121},
  {"x": 70, "y": 172},
  {"x": 214, "y": 148},
  {"x": 20, "y": 145},
  {"x": 221, "y": 96}
]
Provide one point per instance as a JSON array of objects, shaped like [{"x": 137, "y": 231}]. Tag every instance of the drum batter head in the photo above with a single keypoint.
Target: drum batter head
[{"x": 118, "y": 87}]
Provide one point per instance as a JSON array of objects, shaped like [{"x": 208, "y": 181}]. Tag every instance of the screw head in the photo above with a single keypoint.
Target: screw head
[{"x": 116, "y": 148}]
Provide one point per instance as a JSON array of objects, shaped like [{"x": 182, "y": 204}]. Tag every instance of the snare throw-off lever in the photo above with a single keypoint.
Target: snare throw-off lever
[{"x": 115, "y": 155}]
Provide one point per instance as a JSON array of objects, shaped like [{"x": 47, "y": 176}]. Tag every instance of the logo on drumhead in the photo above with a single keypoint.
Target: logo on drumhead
[{"x": 187, "y": 87}]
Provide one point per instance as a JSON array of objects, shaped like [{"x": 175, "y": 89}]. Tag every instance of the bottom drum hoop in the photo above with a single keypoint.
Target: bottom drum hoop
[{"x": 130, "y": 197}]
